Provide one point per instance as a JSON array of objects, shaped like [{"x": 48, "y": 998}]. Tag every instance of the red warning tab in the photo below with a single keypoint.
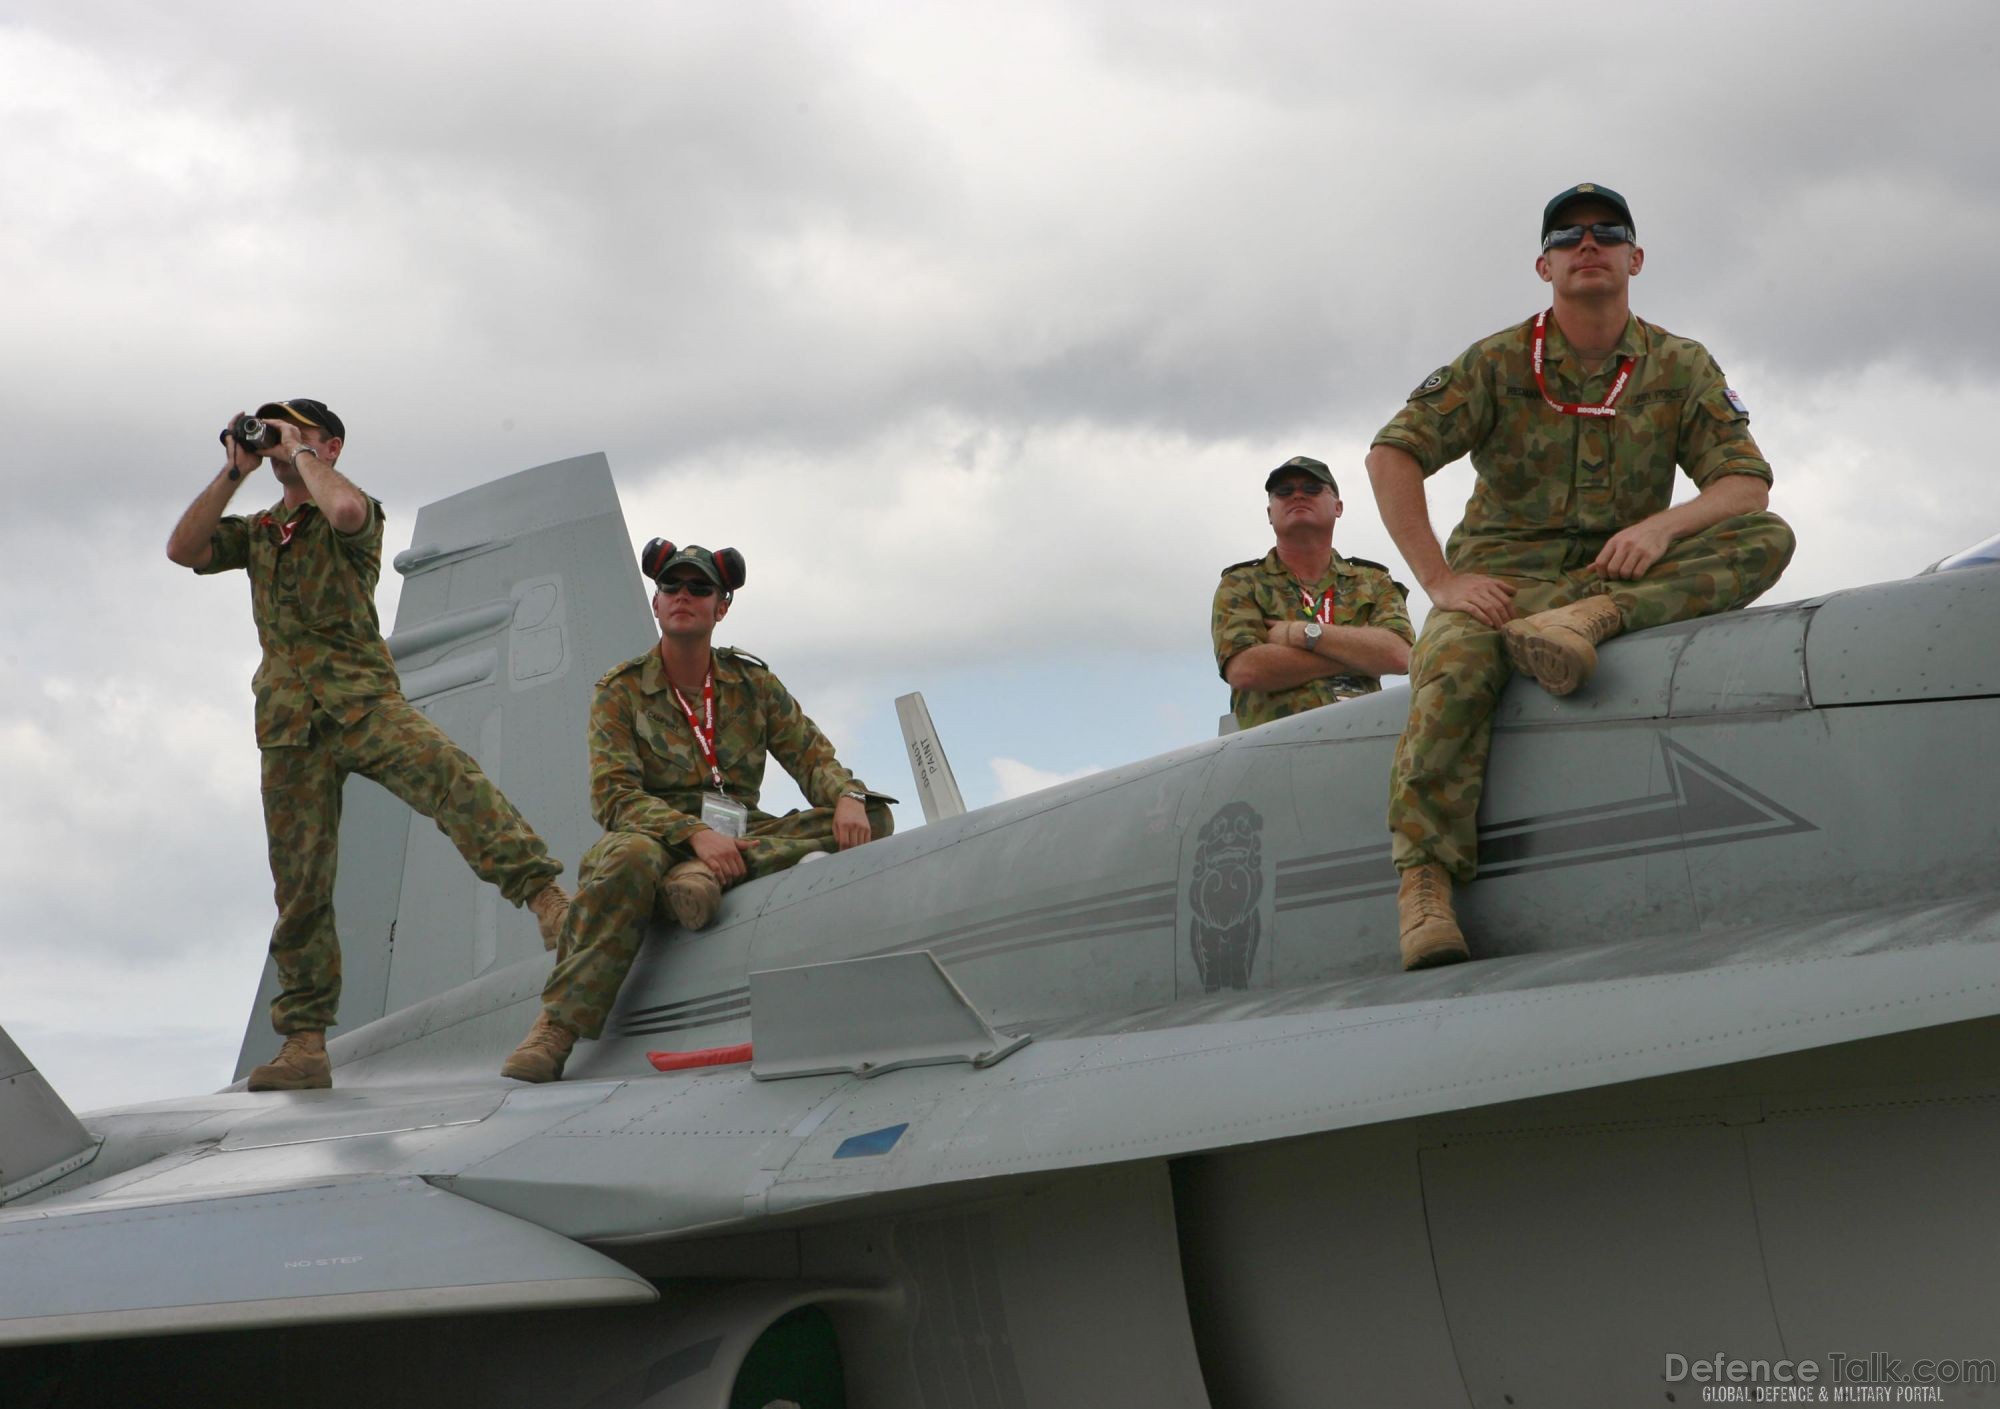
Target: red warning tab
[{"x": 702, "y": 1057}]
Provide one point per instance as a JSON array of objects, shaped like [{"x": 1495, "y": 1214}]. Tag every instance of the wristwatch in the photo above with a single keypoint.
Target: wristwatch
[
  {"x": 1313, "y": 632},
  {"x": 305, "y": 450},
  {"x": 857, "y": 795}
]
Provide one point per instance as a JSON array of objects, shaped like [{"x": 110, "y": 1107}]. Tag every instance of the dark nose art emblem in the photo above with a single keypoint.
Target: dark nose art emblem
[{"x": 1228, "y": 882}]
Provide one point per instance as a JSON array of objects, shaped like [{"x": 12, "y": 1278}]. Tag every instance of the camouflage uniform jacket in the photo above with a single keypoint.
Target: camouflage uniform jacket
[
  {"x": 313, "y": 598},
  {"x": 1264, "y": 589},
  {"x": 647, "y": 773},
  {"x": 1553, "y": 487}
]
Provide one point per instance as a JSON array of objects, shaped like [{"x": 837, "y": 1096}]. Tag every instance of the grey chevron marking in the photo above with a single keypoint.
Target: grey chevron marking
[{"x": 1703, "y": 806}]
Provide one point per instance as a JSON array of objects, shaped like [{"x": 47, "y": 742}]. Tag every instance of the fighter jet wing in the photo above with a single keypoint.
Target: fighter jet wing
[
  {"x": 1239, "y": 1071},
  {"x": 336, "y": 1250}
]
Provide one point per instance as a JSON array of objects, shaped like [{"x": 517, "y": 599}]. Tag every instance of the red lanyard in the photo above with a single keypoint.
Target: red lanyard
[
  {"x": 1605, "y": 407},
  {"x": 1321, "y": 613},
  {"x": 289, "y": 527},
  {"x": 704, "y": 737}
]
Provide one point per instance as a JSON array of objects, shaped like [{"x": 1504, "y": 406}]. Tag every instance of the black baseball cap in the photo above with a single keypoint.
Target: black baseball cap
[
  {"x": 304, "y": 411},
  {"x": 1586, "y": 191},
  {"x": 1305, "y": 465}
]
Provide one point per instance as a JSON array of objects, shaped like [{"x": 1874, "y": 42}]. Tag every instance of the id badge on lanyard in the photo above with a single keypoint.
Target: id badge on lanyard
[
  {"x": 720, "y": 813},
  {"x": 724, "y": 816}
]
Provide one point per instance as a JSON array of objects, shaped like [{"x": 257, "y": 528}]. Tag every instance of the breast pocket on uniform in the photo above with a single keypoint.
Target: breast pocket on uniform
[
  {"x": 662, "y": 749},
  {"x": 323, "y": 589}
]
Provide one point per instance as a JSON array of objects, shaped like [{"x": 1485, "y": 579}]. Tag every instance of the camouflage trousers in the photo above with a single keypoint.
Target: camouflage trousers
[
  {"x": 403, "y": 751},
  {"x": 618, "y": 891},
  {"x": 1460, "y": 666}
]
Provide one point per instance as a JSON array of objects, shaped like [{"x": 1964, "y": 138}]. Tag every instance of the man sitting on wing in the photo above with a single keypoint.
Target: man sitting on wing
[
  {"x": 1302, "y": 626},
  {"x": 678, "y": 738}
]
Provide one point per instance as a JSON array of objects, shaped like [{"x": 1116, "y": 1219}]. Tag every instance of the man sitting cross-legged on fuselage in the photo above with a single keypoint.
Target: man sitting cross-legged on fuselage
[
  {"x": 1575, "y": 421},
  {"x": 678, "y": 739}
]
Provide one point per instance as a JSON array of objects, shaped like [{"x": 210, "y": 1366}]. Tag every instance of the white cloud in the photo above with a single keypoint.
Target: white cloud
[{"x": 1018, "y": 779}]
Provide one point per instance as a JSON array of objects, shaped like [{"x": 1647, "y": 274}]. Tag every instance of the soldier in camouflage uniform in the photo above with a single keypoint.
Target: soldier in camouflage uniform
[
  {"x": 678, "y": 739},
  {"x": 1302, "y": 626},
  {"x": 329, "y": 703},
  {"x": 1575, "y": 421}
]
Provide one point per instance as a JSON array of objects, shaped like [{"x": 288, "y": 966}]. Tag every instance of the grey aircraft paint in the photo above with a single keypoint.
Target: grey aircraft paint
[{"x": 1724, "y": 1078}]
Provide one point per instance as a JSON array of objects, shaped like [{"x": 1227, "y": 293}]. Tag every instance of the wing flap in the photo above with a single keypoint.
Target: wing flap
[{"x": 342, "y": 1251}]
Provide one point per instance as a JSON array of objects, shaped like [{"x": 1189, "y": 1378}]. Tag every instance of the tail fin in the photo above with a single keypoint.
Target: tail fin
[
  {"x": 937, "y": 789},
  {"x": 517, "y": 595},
  {"x": 40, "y": 1137}
]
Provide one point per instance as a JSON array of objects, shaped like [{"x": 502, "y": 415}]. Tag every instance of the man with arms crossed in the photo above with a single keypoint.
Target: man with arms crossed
[
  {"x": 1302, "y": 626},
  {"x": 678, "y": 738},
  {"x": 1574, "y": 420},
  {"x": 329, "y": 703}
]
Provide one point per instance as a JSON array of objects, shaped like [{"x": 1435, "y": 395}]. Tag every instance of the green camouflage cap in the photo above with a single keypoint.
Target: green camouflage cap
[
  {"x": 1305, "y": 465},
  {"x": 722, "y": 566},
  {"x": 1585, "y": 191},
  {"x": 694, "y": 556}
]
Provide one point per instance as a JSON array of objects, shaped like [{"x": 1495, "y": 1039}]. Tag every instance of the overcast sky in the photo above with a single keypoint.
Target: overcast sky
[{"x": 975, "y": 328}]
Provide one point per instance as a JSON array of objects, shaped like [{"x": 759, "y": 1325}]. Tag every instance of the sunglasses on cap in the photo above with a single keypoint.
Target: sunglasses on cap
[
  {"x": 693, "y": 586},
  {"x": 1311, "y": 488},
  {"x": 1569, "y": 236}
]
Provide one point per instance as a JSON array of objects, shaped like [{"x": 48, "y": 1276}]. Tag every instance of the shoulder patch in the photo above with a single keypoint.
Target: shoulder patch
[
  {"x": 738, "y": 653},
  {"x": 1246, "y": 563},
  {"x": 1432, "y": 384},
  {"x": 620, "y": 669},
  {"x": 1735, "y": 400},
  {"x": 1382, "y": 568}
]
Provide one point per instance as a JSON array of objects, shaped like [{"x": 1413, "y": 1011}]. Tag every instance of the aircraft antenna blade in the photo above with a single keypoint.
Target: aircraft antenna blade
[{"x": 937, "y": 789}]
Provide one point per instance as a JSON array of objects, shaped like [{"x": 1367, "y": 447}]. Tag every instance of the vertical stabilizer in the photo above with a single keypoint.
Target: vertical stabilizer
[
  {"x": 937, "y": 788},
  {"x": 507, "y": 618},
  {"x": 40, "y": 1138}
]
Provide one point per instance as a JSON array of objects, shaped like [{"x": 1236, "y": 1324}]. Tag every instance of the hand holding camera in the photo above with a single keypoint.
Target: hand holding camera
[{"x": 250, "y": 440}]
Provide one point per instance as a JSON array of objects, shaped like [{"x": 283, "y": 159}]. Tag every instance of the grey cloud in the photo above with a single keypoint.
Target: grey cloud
[{"x": 663, "y": 236}]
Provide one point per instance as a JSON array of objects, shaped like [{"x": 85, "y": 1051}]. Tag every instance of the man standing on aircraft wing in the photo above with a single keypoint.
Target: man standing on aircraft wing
[
  {"x": 329, "y": 703},
  {"x": 1574, "y": 420},
  {"x": 1302, "y": 626},
  {"x": 678, "y": 739}
]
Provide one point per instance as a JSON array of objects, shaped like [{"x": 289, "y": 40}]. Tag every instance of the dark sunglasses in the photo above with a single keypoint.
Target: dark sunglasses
[
  {"x": 668, "y": 586},
  {"x": 1310, "y": 488},
  {"x": 1568, "y": 236}
]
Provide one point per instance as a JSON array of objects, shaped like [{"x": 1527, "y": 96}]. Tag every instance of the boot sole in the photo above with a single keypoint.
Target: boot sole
[
  {"x": 1436, "y": 957},
  {"x": 1557, "y": 668},
  {"x": 690, "y": 913},
  {"x": 280, "y": 1084},
  {"x": 535, "y": 1077}
]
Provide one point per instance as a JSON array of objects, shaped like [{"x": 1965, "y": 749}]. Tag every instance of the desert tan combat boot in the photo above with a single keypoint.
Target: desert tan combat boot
[
  {"x": 1559, "y": 647},
  {"x": 542, "y": 1052},
  {"x": 301, "y": 1065},
  {"x": 550, "y": 904},
  {"x": 693, "y": 895},
  {"x": 1429, "y": 931}
]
